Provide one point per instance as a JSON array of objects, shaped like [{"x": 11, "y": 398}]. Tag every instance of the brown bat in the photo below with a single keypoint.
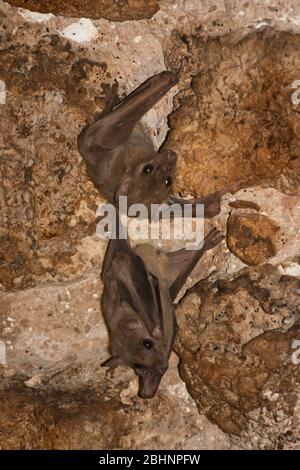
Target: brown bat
[
  {"x": 139, "y": 289},
  {"x": 120, "y": 157}
]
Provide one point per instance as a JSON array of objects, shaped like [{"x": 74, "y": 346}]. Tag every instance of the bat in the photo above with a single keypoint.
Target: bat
[
  {"x": 120, "y": 157},
  {"x": 140, "y": 286}
]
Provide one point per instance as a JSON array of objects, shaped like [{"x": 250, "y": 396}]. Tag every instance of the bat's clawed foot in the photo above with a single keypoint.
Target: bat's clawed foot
[
  {"x": 213, "y": 239},
  {"x": 111, "y": 96},
  {"x": 212, "y": 207}
]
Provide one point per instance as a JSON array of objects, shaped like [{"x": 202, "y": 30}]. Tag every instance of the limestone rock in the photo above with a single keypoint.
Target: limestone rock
[
  {"x": 116, "y": 11},
  {"x": 92, "y": 420},
  {"x": 52, "y": 89},
  {"x": 252, "y": 238},
  {"x": 240, "y": 121},
  {"x": 236, "y": 342},
  {"x": 55, "y": 395}
]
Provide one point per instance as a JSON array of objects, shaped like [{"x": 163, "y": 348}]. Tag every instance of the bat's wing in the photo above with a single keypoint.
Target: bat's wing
[
  {"x": 115, "y": 128},
  {"x": 182, "y": 262},
  {"x": 137, "y": 287},
  {"x": 126, "y": 272},
  {"x": 114, "y": 246}
]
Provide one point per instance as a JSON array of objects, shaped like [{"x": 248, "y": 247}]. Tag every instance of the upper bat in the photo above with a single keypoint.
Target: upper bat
[
  {"x": 120, "y": 157},
  {"x": 139, "y": 289}
]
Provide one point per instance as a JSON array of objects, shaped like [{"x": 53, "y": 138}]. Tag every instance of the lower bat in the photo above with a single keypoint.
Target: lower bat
[{"x": 139, "y": 289}]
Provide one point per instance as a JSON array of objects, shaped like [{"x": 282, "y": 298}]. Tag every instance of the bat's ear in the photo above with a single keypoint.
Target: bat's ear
[
  {"x": 112, "y": 362},
  {"x": 127, "y": 326}
]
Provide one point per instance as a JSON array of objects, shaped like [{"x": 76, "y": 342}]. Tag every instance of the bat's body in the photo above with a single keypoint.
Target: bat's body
[
  {"x": 139, "y": 289},
  {"x": 120, "y": 157}
]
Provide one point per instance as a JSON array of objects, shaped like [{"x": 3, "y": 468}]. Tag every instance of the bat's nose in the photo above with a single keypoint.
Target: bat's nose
[
  {"x": 171, "y": 156},
  {"x": 145, "y": 394},
  {"x": 148, "y": 385},
  {"x": 166, "y": 162}
]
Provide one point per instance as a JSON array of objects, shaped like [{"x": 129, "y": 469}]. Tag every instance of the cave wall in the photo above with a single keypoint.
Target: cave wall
[
  {"x": 234, "y": 116},
  {"x": 240, "y": 121}
]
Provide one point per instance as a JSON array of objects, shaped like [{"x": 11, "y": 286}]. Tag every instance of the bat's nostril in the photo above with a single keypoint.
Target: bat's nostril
[{"x": 171, "y": 156}]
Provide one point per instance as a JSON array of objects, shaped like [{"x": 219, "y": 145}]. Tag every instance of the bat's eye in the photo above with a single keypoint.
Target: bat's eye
[
  {"x": 148, "y": 344},
  {"x": 147, "y": 170},
  {"x": 167, "y": 180},
  {"x": 137, "y": 366}
]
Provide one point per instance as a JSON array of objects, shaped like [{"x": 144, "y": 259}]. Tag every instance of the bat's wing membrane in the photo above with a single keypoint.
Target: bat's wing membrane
[
  {"x": 135, "y": 285},
  {"x": 114, "y": 129},
  {"x": 182, "y": 262}
]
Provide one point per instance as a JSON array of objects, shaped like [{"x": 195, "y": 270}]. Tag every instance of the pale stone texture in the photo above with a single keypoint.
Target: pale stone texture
[
  {"x": 236, "y": 342},
  {"x": 244, "y": 57},
  {"x": 55, "y": 342}
]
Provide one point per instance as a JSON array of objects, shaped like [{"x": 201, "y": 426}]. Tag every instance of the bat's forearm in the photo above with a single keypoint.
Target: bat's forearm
[{"x": 114, "y": 129}]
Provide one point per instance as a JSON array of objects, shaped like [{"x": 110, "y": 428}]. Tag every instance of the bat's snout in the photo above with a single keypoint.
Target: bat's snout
[
  {"x": 147, "y": 389},
  {"x": 171, "y": 156},
  {"x": 166, "y": 162},
  {"x": 149, "y": 384}
]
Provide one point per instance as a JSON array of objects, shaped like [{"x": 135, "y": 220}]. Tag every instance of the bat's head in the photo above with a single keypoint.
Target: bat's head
[
  {"x": 154, "y": 178},
  {"x": 146, "y": 352},
  {"x": 148, "y": 180}
]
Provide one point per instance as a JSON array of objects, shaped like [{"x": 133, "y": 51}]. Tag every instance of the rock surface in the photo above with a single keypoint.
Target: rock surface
[
  {"x": 117, "y": 11},
  {"x": 236, "y": 342},
  {"x": 252, "y": 237},
  {"x": 240, "y": 122},
  {"x": 55, "y": 395},
  {"x": 236, "y": 117}
]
